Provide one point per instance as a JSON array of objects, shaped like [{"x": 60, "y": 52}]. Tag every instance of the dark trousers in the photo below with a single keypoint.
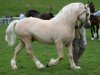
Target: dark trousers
[{"x": 78, "y": 49}]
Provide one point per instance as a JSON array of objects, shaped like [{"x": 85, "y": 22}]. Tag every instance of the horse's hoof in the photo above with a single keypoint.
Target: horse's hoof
[
  {"x": 13, "y": 65},
  {"x": 76, "y": 67},
  {"x": 40, "y": 66},
  {"x": 92, "y": 38},
  {"x": 51, "y": 63}
]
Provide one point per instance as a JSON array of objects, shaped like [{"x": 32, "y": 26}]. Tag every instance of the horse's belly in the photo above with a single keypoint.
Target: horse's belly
[{"x": 43, "y": 39}]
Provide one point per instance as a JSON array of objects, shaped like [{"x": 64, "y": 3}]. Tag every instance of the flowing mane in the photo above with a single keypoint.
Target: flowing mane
[{"x": 66, "y": 13}]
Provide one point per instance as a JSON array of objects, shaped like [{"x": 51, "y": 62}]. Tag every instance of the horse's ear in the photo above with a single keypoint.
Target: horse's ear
[
  {"x": 91, "y": 2},
  {"x": 88, "y": 2}
]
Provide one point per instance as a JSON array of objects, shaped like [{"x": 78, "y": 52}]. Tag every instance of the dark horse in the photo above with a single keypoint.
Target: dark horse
[
  {"x": 34, "y": 13},
  {"x": 94, "y": 22}
]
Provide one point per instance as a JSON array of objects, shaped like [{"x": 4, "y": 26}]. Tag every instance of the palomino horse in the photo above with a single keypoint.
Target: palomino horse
[
  {"x": 34, "y": 13},
  {"x": 59, "y": 30}
]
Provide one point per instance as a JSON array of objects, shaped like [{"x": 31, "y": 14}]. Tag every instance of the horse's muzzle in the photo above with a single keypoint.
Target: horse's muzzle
[{"x": 87, "y": 25}]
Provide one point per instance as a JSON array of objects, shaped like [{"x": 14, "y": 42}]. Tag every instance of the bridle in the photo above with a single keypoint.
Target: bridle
[
  {"x": 82, "y": 22},
  {"x": 82, "y": 14}
]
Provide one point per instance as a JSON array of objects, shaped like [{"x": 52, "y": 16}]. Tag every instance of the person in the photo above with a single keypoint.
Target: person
[
  {"x": 97, "y": 13},
  {"x": 22, "y": 16},
  {"x": 79, "y": 44}
]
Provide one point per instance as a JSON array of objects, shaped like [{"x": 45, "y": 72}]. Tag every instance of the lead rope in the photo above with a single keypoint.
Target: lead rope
[{"x": 78, "y": 28}]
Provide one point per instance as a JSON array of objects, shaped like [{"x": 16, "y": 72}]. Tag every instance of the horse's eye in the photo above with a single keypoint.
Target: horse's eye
[{"x": 87, "y": 14}]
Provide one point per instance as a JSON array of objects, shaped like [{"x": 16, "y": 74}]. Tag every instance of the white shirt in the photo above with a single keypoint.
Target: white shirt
[{"x": 21, "y": 16}]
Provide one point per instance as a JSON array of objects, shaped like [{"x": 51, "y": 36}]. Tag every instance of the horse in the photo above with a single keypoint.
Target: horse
[
  {"x": 59, "y": 30},
  {"x": 94, "y": 26},
  {"x": 95, "y": 21},
  {"x": 34, "y": 13}
]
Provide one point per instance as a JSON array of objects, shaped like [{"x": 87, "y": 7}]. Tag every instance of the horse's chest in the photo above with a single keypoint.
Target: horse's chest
[
  {"x": 64, "y": 34},
  {"x": 66, "y": 38},
  {"x": 69, "y": 37}
]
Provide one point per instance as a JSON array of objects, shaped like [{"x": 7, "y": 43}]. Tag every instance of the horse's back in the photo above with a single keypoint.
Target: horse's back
[
  {"x": 33, "y": 27},
  {"x": 31, "y": 24}
]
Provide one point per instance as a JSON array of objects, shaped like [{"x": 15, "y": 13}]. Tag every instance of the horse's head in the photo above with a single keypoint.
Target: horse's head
[
  {"x": 32, "y": 13},
  {"x": 84, "y": 15}
]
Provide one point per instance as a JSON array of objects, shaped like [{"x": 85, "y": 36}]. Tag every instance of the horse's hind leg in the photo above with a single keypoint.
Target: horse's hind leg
[
  {"x": 17, "y": 51},
  {"x": 97, "y": 31},
  {"x": 92, "y": 32},
  {"x": 59, "y": 46},
  {"x": 30, "y": 53}
]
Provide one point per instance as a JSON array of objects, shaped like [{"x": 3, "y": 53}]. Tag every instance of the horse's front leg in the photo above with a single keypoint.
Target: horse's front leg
[
  {"x": 92, "y": 31},
  {"x": 70, "y": 54},
  {"x": 59, "y": 46}
]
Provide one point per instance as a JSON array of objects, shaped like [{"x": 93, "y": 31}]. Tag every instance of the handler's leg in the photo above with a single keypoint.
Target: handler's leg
[
  {"x": 75, "y": 50},
  {"x": 81, "y": 48}
]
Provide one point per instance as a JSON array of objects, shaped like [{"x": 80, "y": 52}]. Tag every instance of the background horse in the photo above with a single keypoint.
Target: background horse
[
  {"x": 95, "y": 21},
  {"x": 34, "y": 13},
  {"x": 59, "y": 30},
  {"x": 94, "y": 26}
]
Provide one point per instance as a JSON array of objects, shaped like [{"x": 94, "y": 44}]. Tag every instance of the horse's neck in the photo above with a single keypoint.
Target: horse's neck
[{"x": 61, "y": 19}]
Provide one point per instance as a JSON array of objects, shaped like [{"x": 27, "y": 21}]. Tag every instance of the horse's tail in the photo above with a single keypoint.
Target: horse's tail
[{"x": 10, "y": 35}]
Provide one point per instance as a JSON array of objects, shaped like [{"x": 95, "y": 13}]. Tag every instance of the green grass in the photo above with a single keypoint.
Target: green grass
[
  {"x": 90, "y": 61},
  {"x": 14, "y": 7}
]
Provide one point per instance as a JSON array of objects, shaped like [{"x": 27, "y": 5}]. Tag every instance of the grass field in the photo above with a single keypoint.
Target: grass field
[
  {"x": 15, "y": 7},
  {"x": 90, "y": 61}
]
